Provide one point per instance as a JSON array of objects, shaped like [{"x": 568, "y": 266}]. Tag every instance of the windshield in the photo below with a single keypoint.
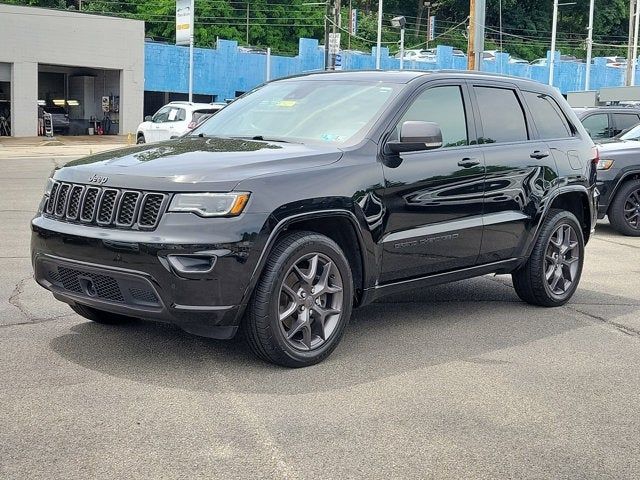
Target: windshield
[
  {"x": 303, "y": 111},
  {"x": 632, "y": 134}
]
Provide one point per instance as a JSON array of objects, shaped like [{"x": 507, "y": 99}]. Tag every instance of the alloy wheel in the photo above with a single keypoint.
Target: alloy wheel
[
  {"x": 562, "y": 259},
  {"x": 310, "y": 301},
  {"x": 632, "y": 210}
]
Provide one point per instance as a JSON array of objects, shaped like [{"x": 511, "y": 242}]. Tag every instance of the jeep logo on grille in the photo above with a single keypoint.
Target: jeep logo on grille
[{"x": 99, "y": 179}]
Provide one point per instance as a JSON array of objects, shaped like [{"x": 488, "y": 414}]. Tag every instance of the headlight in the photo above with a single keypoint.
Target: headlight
[
  {"x": 210, "y": 204},
  {"x": 604, "y": 164}
]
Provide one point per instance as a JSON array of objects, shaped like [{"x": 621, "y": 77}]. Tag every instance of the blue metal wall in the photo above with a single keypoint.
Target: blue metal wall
[{"x": 224, "y": 71}]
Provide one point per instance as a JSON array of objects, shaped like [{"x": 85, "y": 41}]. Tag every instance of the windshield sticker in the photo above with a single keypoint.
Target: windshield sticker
[
  {"x": 172, "y": 115},
  {"x": 287, "y": 103},
  {"x": 331, "y": 137}
]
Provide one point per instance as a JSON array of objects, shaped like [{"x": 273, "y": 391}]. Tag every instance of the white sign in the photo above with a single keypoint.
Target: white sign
[
  {"x": 338, "y": 62},
  {"x": 334, "y": 43},
  {"x": 353, "y": 25},
  {"x": 432, "y": 27},
  {"x": 184, "y": 22}
]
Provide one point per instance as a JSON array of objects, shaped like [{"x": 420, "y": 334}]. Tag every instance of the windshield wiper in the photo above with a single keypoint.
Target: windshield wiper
[{"x": 267, "y": 139}]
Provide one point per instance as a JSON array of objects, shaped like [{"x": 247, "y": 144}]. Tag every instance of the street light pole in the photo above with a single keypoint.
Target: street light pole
[
  {"x": 589, "y": 46},
  {"x": 379, "y": 39},
  {"x": 554, "y": 27},
  {"x": 400, "y": 22}
]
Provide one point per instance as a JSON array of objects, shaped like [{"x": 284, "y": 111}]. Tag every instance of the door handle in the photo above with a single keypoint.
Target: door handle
[
  {"x": 468, "y": 162},
  {"x": 539, "y": 154}
]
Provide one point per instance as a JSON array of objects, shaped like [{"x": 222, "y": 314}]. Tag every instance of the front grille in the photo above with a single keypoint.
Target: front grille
[
  {"x": 106, "y": 207},
  {"x": 151, "y": 207}
]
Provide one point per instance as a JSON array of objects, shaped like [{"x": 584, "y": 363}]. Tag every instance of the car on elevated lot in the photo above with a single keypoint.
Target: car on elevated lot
[{"x": 315, "y": 194}]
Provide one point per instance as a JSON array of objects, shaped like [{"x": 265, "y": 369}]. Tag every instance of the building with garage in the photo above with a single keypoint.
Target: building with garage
[{"x": 87, "y": 70}]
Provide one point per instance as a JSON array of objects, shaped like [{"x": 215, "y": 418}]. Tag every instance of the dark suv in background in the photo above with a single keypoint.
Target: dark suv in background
[
  {"x": 315, "y": 194},
  {"x": 606, "y": 122}
]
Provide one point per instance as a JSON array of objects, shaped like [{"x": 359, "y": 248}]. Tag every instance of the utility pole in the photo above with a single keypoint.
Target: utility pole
[
  {"x": 475, "y": 46},
  {"x": 326, "y": 35},
  {"x": 630, "y": 44},
  {"x": 589, "y": 46},
  {"x": 554, "y": 28},
  {"x": 247, "y": 23}
]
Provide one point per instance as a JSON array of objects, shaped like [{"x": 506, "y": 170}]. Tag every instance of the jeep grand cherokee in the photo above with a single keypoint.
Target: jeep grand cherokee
[{"x": 318, "y": 193}]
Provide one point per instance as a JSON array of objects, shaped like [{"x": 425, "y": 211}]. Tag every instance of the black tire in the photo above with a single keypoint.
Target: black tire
[
  {"x": 140, "y": 140},
  {"x": 627, "y": 196},
  {"x": 263, "y": 328},
  {"x": 530, "y": 281},
  {"x": 100, "y": 316}
]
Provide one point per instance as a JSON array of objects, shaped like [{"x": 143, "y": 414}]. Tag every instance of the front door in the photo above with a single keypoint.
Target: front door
[{"x": 433, "y": 198}]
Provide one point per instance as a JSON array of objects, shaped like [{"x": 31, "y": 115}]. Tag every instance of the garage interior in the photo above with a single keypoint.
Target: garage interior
[
  {"x": 5, "y": 99},
  {"x": 89, "y": 98}
]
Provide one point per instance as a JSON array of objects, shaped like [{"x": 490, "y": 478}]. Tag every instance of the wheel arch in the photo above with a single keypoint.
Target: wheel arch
[
  {"x": 342, "y": 226},
  {"x": 575, "y": 201}
]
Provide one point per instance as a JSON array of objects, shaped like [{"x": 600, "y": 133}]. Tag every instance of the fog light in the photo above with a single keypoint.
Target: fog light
[{"x": 192, "y": 263}]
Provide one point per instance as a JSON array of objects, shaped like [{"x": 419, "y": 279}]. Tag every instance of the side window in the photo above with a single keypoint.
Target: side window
[
  {"x": 161, "y": 115},
  {"x": 501, "y": 114},
  {"x": 181, "y": 115},
  {"x": 548, "y": 117},
  {"x": 597, "y": 126},
  {"x": 176, "y": 114},
  {"x": 624, "y": 121},
  {"x": 444, "y": 106}
]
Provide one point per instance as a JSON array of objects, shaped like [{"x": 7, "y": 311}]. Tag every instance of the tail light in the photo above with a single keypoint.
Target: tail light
[{"x": 192, "y": 125}]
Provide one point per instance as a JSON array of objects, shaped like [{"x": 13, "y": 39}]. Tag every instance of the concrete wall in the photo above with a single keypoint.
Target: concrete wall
[
  {"x": 31, "y": 36},
  {"x": 225, "y": 70}
]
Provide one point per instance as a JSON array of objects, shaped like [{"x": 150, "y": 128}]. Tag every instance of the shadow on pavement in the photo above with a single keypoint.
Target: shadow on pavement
[{"x": 398, "y": 335}]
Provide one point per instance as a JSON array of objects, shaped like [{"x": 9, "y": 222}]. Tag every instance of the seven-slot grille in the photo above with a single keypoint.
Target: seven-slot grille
[{"x": 105, "y": 206}]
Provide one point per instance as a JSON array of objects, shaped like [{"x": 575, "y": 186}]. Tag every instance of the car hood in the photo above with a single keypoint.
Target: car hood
[
  {"x": 194, "y": 163},
  {"x": 618, "y": 146}
]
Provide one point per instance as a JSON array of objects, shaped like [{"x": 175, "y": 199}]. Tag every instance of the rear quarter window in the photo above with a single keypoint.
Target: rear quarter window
[{"x": 547, "y": 115}]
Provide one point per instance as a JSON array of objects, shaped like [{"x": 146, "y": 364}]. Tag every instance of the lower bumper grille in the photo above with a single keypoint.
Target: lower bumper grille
[{"x": 123, "y": 289}]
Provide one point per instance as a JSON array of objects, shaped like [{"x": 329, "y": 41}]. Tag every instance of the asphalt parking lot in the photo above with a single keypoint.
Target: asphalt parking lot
[{"x": 458, "y": 381}]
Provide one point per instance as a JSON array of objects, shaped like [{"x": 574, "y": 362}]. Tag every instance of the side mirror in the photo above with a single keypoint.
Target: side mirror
[
  {"x": 148, "y": 118},
  {"x": 416, "y": 136}
]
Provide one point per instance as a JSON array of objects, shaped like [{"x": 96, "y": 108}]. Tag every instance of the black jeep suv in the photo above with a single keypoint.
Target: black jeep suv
[{"x": 318, "y": 193}]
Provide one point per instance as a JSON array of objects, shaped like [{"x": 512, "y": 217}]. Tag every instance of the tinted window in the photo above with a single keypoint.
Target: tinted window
[
  {"x": 169, "y": 114},
  {"x": 624, "y": 121},
  {"x": 501, "y": 115},
  {"x": 444, "y": 106},
  {"x": 548, "y": 117},
  {"x": 597, "y": 126}
]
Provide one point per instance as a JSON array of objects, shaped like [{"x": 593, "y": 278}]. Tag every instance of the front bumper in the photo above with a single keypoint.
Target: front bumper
[{"x": 131, "y": 272}]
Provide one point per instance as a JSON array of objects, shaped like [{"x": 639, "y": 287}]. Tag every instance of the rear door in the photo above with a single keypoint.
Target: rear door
[
  {"x": 433, "y": 199},
  {"x": 519, "y": 169}
]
